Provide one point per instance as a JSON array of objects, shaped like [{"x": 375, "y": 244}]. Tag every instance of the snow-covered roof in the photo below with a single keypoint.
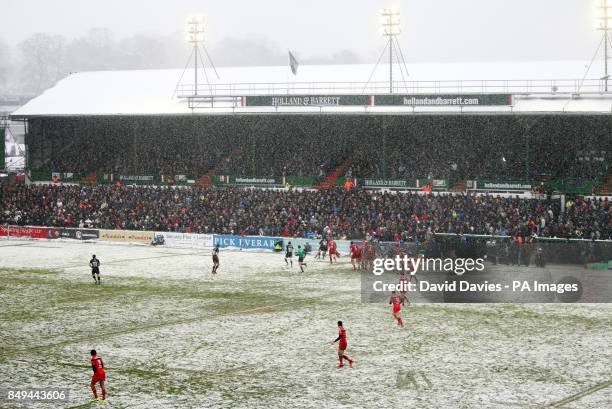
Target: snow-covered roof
[{"x": 551, "y": 86}]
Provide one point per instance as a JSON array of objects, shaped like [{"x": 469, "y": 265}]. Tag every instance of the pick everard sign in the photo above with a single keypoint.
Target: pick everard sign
[{"x": 414, "y": 100}]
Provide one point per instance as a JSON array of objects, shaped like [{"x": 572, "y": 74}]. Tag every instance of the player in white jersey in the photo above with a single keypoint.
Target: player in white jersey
[
  {"x": 215, "y": 258},
  {"x": 289, "y": 254}
]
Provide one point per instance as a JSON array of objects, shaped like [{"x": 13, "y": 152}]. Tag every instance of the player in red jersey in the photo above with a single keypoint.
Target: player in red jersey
[
  {"x": 333, "y": 251},
  {"x": 397, "y": 300},
  {"x": 368, "y": 254},
  {"x": 355, "y": 255},
  {"x": 98, "y": 376},
  {"x": 342, "y": 346}
]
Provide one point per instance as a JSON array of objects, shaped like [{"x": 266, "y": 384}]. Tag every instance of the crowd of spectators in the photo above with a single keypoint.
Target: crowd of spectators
[
  {"x": 151, "y": 146},
  {"x": 381, "y": 146},
  {"x": 488, "y": 147},
  {"x": 354, "y": 214}
]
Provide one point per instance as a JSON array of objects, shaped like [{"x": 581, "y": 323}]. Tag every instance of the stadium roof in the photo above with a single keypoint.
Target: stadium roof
[{"x": 556, "y": 86}]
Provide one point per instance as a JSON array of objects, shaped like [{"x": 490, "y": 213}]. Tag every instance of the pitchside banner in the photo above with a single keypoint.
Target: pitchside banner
[
  {"x": 246, "y": 242},
  {"x": 21, "y": 231},
  {"x": 126, "y": 236},
  {"x": 444, "y": 100},
  {"x": 305, "y": 100},
  {"x": 77, "y": 234},
  {"x": 191, "y": 240}
]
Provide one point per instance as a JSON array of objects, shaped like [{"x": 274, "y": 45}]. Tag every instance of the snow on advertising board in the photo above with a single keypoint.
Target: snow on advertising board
[
  {"x": 186, "y": 239},
  {"x": 131, "y": 236},
  {"x": 246, "y": 242}
]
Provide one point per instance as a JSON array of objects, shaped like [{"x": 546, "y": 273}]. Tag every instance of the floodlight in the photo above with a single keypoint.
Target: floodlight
[
  {"x": 603, "y": 15},
  {"x": 390, "y": 27},
  {"x": 195, "y": 29},
  {"x": 195, "y": 35},
  {"x": 390, "y": 21}
]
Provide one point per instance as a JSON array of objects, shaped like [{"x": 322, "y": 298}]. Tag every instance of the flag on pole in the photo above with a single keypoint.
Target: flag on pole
[{"x": 293, "y": 63}]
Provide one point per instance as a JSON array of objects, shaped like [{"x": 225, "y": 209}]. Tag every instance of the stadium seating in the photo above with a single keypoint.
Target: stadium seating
[
  {"x": 355, "y": 214},
  {"x": 409, "y": 146}
]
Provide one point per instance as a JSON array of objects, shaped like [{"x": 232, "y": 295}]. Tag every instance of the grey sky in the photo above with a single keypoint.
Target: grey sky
[{"x": 433, "y": 30}]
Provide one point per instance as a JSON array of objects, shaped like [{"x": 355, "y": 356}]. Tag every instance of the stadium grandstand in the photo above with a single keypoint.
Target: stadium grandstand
[
  {"x": 148, "y": 125},
  {"x": 326, "y": 128}
]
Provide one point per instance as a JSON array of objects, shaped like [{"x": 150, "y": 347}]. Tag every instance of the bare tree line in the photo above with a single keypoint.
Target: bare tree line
[{"x": 39, "y": 61}]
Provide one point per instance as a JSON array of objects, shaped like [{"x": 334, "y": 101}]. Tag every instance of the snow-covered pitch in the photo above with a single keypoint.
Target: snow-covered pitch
[{"x": 258, "y": 335}]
